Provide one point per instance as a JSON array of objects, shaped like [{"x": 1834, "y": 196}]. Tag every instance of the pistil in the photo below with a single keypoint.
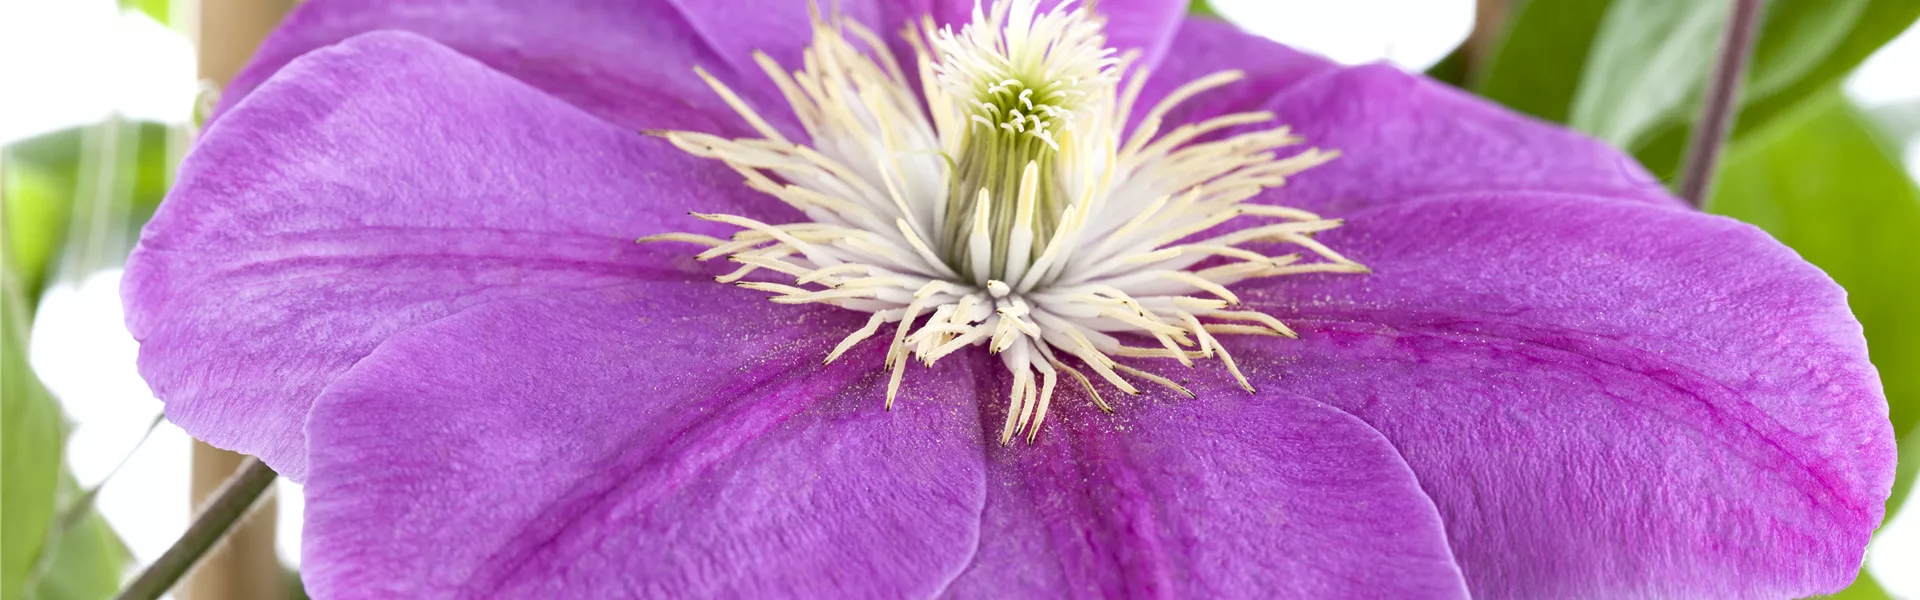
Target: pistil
[{"x": 1005, "y": 180}]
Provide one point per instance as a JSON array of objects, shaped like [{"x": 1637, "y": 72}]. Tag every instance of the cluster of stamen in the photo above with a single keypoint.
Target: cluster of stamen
[{"x": 1008, "y": 210}]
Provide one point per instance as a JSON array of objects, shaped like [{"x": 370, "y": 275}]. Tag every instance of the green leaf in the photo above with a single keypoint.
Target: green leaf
[
  {"x": 89, "y": 564},
  {"x": 83, "y": 558},
  {"x": 1452, "y": 69},
  {"x": 296, "y": 587},
  {"x": 1536, "y": 65},
  {"x": 53, "y": 543},
  {"x": 43, "y": 192},
  {"x": 37, "y": 208},
  {"x": 1864, "y": 588},
  {"x": 1781, "y": 84},
  {"x": 1200, "y": 8},
  {"x": 61, "y": 152},
  {"x": 1824, "y": 182},
  {"x": 1903, "y": 475},
  {"x": 1645, "y": 67},
  {"x": 158, "y": 9},
  {"x": 1795, "y": 38},
  {"x": 1632, "y": 71},
  {"x": 1803, "y": 50},
  {"x": 31, "y": 436}
]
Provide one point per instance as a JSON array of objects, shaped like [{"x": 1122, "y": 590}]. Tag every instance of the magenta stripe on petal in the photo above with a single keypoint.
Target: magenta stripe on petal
[
  {"x": 644, "y": 441},
  {"x": 1604, "y": 398},
  {"x": 1228, "y": 495}
]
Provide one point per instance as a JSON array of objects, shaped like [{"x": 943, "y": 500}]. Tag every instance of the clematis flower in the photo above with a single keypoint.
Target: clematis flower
[{"x": 1065, "y": 301}]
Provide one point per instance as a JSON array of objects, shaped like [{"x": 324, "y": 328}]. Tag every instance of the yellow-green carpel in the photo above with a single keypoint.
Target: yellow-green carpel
[{"x": 1005, "y": 181}]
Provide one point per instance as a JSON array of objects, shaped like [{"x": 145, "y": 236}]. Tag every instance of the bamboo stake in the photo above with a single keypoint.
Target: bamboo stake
[{"x": 245, "y": 566}]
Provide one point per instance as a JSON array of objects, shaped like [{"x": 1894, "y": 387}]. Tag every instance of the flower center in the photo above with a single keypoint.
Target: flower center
[{"x": 1002, "y": 206}]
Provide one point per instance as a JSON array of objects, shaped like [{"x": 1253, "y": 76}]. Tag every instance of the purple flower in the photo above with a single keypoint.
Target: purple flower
[{"x": 400, "y": 267}]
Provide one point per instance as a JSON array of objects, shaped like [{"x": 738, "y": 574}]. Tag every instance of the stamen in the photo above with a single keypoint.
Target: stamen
[{"x": 1001, "y": 206}]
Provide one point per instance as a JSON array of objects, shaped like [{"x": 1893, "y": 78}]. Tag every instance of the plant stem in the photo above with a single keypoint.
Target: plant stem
[
  {"x": 235, "y": 498},
  {"x": 1489, "y": 23},
  {"x": 1716, "y": 117}
]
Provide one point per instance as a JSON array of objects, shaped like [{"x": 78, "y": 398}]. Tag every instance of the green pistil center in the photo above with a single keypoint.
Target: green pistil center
[
  {"x": 993, "y": 163},
  {"x": 1012, "y": 126}
]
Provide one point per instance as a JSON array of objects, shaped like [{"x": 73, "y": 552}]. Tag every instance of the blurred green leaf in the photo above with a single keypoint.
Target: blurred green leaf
[
  {"x": 53, "y": 543},
  {"x": 158, "y": 9},
  {"x": 1864, "y": 588},
  {"x": 31, "y": 435},
  {"x": 60, "y": 152},
  {"x": 1799, "y": 54},
  {"x": 1645, "y": 66},
  {"x": 44, "y": 181},
  {"x": 1203, "y": 9},
  {"x": 89, "y": 564},
  {"x": 1824, "y": 182},
  {"x": 37, "y": 208},
  {"x": 83, "y": 559},
  {"x": 1452, "y": 69},
  {"x": 1798, "y": 35},
  {"x": 1904, "y": 474},
  {"x": 1780, "y": 84},
  {"x": 1536, "y": 65},
  {"x": 1631, "y": 71},
  {"x": 296, "y": 587}
]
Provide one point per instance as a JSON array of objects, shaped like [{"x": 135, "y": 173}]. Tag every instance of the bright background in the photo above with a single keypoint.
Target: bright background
[{"x": 65, "y": 63}]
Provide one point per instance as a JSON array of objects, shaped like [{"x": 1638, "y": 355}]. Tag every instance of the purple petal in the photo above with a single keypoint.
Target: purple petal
[
  {"x": 1605, "y": 399},
  {"x": 630, "y": 62},
  {"x": 1203, "y": 47},
  {"x": 1148, "y": 26},
  {"x": 376, "y": 185},
  {"x": 1226, "y": 496},
  {"x": 737, "y": 28},
  {"x": 651, "y": 440},
  {"x": 1404, "y": 137}
]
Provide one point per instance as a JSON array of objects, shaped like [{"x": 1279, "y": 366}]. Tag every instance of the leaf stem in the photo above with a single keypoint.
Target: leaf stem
[
  {"x": 234, "y": 500},
  {"x": 1716, "y": 117}
]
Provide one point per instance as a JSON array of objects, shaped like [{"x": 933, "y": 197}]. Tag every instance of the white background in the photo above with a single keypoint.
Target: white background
[{"x": 69, "y": 62}]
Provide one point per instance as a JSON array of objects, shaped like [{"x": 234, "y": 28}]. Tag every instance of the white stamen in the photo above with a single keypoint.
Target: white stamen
[{"x": 1058, "y": 238}]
